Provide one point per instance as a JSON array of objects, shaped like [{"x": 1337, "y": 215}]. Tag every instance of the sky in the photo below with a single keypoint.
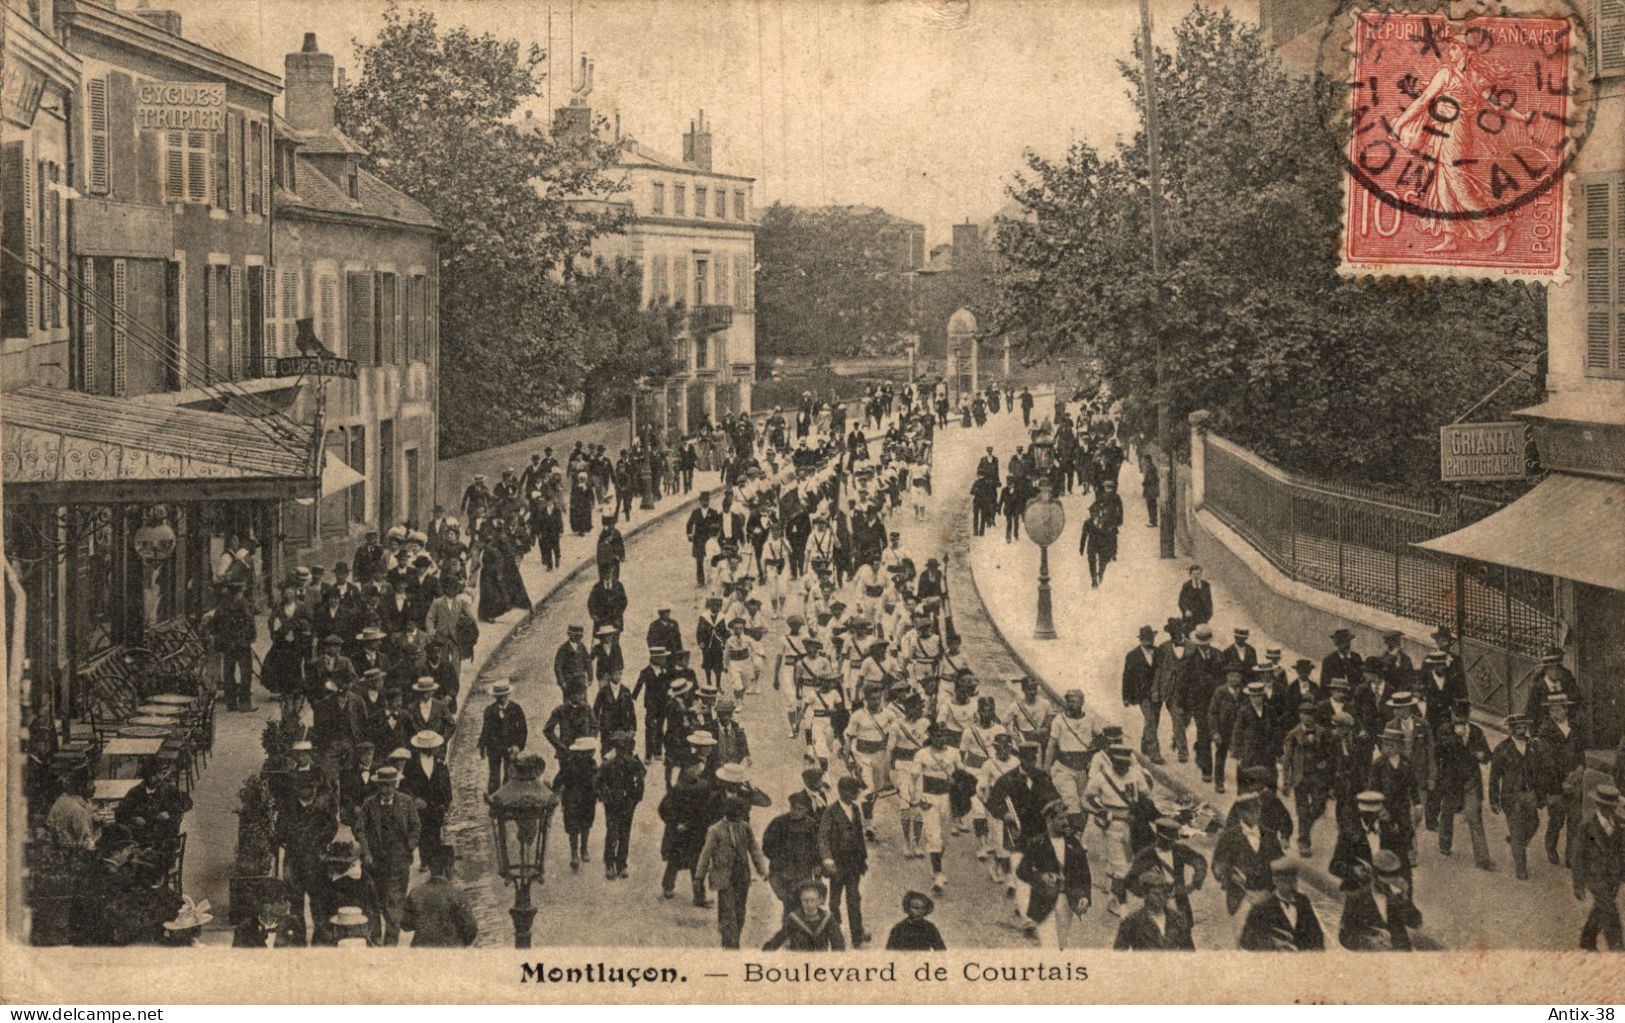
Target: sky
[{"x": 923, "y": 107}]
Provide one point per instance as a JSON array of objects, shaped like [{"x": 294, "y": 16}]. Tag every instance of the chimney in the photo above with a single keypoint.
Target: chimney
[
  {"x": 967, "y": 246},
  {"x": 308, "y": 87},
  {"x": 167, "y": 21},
  {"x": 697, "y": 143}
]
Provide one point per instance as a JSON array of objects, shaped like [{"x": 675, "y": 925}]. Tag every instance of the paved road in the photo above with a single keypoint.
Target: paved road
[{"x": 584, "y": 908}]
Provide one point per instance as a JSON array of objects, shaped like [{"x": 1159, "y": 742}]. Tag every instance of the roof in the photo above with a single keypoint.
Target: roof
[
  {"x": 1572, "y": 527},
  {"x": 128, "y": 29},
  {"x": 325, "y": 143},
  {"x": 636, "y": 154},
  {"x": 54, "y": 436},
  {"x": 319, "y": 193},
  {"x": 1571, "y": 407},
  {"x": 891, "y": 218}
]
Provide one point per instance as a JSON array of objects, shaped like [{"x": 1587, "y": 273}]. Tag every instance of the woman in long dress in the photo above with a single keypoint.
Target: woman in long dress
[
  {"x": 501, "y": 588},
  {"x": 581, "y": 505},
  {"x": 282, "y": 671}
]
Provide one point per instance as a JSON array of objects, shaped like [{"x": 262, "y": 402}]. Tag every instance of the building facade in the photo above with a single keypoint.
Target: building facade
[
  {"x": 691, "y": 229},
  {"x": 358, "y": 259},
  {"x": 165, "y": 232}
]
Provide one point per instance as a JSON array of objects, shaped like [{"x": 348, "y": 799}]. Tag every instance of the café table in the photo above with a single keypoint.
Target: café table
[
  {"x": 129, "y": 749},
  {"x": 111, "y": 790}
]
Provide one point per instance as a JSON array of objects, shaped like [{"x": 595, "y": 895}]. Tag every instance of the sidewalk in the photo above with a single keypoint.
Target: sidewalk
[
  {"x": 1463, "y": 907},
  {"x": 212, "y": 823}
]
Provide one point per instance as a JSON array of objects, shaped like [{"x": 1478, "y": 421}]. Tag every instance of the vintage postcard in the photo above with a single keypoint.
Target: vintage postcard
[{"x": 775, "y": 501}]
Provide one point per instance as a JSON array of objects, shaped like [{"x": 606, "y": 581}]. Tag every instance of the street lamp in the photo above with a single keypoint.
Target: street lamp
[
  {"x": 1044, "y": 518},
  {"x": 521, "y": 812}
]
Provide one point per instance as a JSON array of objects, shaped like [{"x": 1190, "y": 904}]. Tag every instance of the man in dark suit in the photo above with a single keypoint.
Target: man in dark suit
[
  {"x": 1372, "y": 831},
  {"x": 1184, "y": 866},
  {"x": 1154, "y": 927},
  {"x": 1243, "y": 854},
  {"x": 503, "y": 734},
  {"x": 572, "y": 662},
  {"x": 703, "y": 523},
  {"x": 1516, "y": 787},
  {"x": 1055, "y": 867},
  {"x": 664, "y": 632},
  {"x": 1241, "y": 652},
  {"x": 303, "y": 829},
  {"x": 388, "y": 830},
  {"x": 1196, "y": 599},
  {"x": 272, "y": 925},
  {"x": 427, "y": 711},
  {"x": 1599, "y": 870},
  {"x": 1377, "y": 913},
  {"x": 845, "y": 853},
  {"x": 1285, "y": 923},
  {"x": 437, "y": 913},
  {"x": 427, "y": 779},
  {"x": 1343, "y": 661},
  {"x": 1139, "y": 672}
]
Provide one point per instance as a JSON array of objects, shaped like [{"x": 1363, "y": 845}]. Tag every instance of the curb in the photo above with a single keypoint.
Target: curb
[{"x": 1315, "y": 875}]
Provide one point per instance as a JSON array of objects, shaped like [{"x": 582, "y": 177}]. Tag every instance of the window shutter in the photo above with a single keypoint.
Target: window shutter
[
  {"x": 291, "y": 285},
  {"x": 1610, "y": 31},
  {"x": 1602, "y": 279},
  {"x": 56, "y": 295},
  {"x": 90, "y": 309},
  {"x": 197, "y": 166},
  {"x": 722, "y": 279},
  {"x": 120, "y": 320},
  {"x": 657, "y": 273},
  {"x": 234, "y": 303},
  {"x": 100, "y": 149},
  {"x": 679, "y": 273},
  {"x": 741, "y": 277},
  {"x": 174, "y": 166},
  {"x": 31, "y": 258},
  {"x": 263, "y": 133},
  {"x": 234, "y": 155},
  {"x": 329, "y": 303},
  {"x": 272, "y": 311}
]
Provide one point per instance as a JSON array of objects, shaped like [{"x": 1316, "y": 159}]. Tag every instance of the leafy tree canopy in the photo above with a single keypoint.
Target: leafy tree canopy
[
  {"x": 1319, "y": 372},
  {"x": 828, "y": 285}
]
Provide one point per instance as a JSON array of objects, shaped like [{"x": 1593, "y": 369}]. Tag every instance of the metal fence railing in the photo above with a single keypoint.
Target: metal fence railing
[{"x": 1359, "y": 546}]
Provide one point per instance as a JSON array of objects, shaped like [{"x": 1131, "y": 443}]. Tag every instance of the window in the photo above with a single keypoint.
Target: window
[
  {"x": 659, "y": 197},
  {"x": 679, "y": 279},
  {"x": 218, "y": 320},
  {"x": 235, "y": 298},
  {"x": 699, "y": 201},
  {"x": 1604, "y": 275},
  {"x": 186, "y": 166},
  {"x": 358, "y": 325},
  {"x": 292, "y": 291},
  {"x": 19, "y": 297},
  {"x": 742, "y": 272},
  {"x": 721, "y": 292},
  {"x": 234, "y": 161},
  {"x": 101, "y": 150},
  {"x": 273, "y": 318},
  {"x": 387, "y": 326},
  {"x": 1609, "y": 19},
  {"x": 660, "y": 285},
  {"x": 174, "y": 274},
  {"x": 722, "y": 204},
  {"x": 739, "y": 205},
  {"x": 679, "y": 195},
  {"x": 352, "y": 180},
  {"x": 701, "y": 266}
]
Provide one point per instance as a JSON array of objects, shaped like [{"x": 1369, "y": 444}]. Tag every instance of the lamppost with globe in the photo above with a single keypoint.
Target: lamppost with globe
[
  {"x": 1044, "y": 519},
  {"x": 521, "y": 812}
]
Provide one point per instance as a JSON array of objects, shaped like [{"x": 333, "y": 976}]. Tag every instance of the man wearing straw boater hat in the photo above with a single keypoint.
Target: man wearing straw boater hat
[
  {"x": 504, "y": 733},
  {"x": 388, "y": 830}
]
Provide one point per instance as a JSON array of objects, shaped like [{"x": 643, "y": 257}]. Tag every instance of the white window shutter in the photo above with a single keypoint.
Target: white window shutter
[
  {"x": 290, "y": 309},
  {"x": 272, "y": 313},
  {"x": 90, "y": 309},
  {"x": 30, "y": 256},
  {"x": 120, "y": 322},
  {"x": 235, "y": 305},
  {"x": 197, "y": 166},
  {"x": 1610, "y": 34},
  {"x": 328, "y": 296},
  {"x": 234, "y": 155},
  {"x": 100, "y": 147}
]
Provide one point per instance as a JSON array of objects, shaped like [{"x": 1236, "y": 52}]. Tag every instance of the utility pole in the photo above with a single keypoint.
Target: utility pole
[{"x": 1165, "y": 435}]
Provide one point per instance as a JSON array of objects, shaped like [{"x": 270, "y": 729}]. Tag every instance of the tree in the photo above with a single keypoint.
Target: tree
[
  {"x": 617, "y": 340},
  {"x": 436, "y": 111},
  {"x": 1322, "y": 373},
  {"x": 828, "y": 285}
]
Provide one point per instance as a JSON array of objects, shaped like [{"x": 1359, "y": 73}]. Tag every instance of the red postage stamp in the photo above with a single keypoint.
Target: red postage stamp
[{"x": 1460, "y": 138}]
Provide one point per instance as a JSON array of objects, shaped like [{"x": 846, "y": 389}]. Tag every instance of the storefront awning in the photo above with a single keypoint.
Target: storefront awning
[
  {"x": 1572, "y": 527},
  {"x": 64, "y": 447}
]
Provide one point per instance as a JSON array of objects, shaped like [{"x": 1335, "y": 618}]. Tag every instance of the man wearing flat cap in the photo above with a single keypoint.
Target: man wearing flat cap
[
  {"x": 1286, "y": 922},
  {"x": 388, "y": 830}
]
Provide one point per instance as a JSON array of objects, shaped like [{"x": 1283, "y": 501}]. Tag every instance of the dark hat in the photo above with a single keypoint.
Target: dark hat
[
  {"x": 1147, "y": 632},
  {"x": 1307, "y": 707},
  {"x": 1167, "y": 827},
  {"x": 1374, "y": 666},
  {"x": 332, "y": 640},
  {"x": 1341, "y": 635},
  {"x": 913, "y": 897},
  {"x": 1261, "y": 776},
  {"x": 1462, "y": 710}
]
